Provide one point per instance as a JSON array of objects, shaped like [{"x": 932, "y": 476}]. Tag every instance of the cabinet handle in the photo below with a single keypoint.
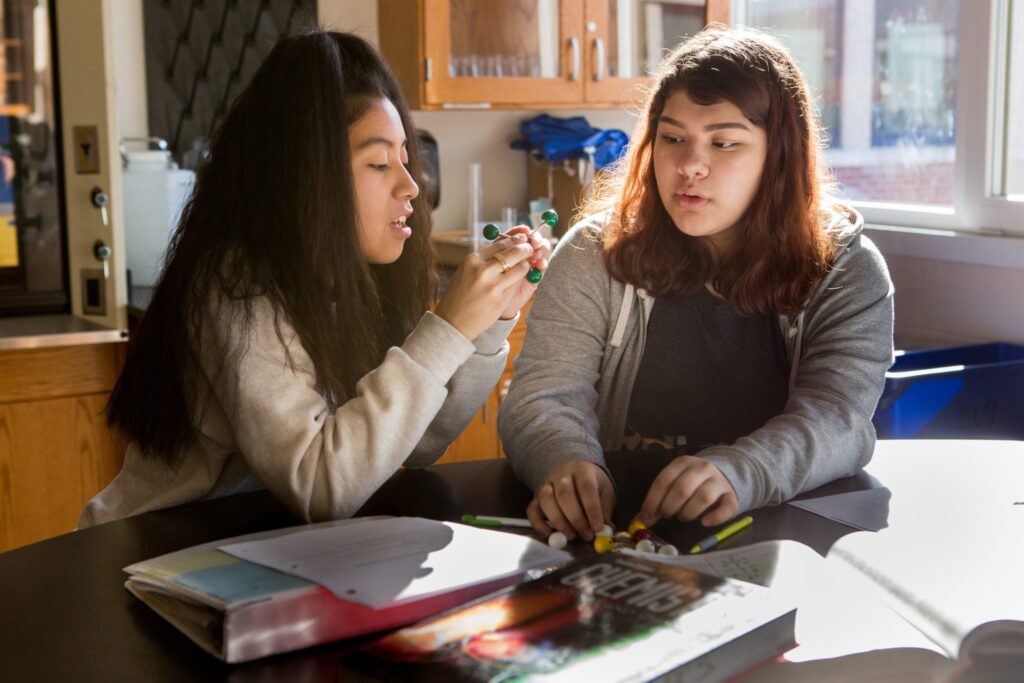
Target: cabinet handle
[
  {"x": 599, "y": 49},
  {"x": 574, "y": 43}
]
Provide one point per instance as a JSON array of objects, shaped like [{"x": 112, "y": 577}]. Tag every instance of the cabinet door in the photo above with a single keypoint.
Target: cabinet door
[
  {"x": 627, "y": 39},
  {"x": 507, "y": 52},
  {"x": 54, "y": 456},
  {"x": 479, "y": 441},
  {"x": 56, "y": 451}
]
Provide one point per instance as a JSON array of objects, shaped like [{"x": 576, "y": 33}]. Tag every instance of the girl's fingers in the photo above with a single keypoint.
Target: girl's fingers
[
  {"x": 550, "y": 510},
  {"x": 536, "y": 518},
  {"x": 655, "y": 502},
  {"x": 705, "y": 495},
  {"x": 538, "y": 243},
  {"x": 516, "y": 266},
  {"x": 541, "y": 247},
  {"x": 506, "y": 257},
  {"x": 723, "y": 511},
  {"x": 488, "y": 251},
  {"x": 576, "y": 499},
  {"x": 590, "y": 498},
  {"x": 520, "y": 229},
  {"x": 569, "y": 503},
  {"x": 607, "y": 495},
  {"x": 682, "y": 494},
  {"x": 541, "y": 251},
  {"x": 517, "y": 254},
  {"x": 516, "y": 277}
]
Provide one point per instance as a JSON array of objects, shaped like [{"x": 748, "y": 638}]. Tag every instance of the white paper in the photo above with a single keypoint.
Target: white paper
[
  {"x": 833, "y": 619},
  {"x": 761, "y": 563},
  {"x": 381, "y": 561},
  {"x": 948, "y": 573},
  {"x": 865, "y": 510}
]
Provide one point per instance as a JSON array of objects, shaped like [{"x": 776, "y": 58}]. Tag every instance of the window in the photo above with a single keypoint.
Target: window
[
  {"x": 884, "y": 74},
  {"x": 32, "y": 239},
  {"x": 1014, "y": 187},
  {"x": 925, "y": 123},
  {"x": 642, "y": 32}
]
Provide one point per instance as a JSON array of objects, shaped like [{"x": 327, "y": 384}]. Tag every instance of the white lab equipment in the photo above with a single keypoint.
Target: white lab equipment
[{"x": 155, "y": 191}]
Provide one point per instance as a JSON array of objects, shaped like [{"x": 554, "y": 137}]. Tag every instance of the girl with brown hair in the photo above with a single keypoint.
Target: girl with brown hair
[{"x": 716, "y": 303}]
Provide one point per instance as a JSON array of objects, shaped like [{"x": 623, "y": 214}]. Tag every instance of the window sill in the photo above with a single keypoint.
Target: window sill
[{"x": 948, "y": 245}]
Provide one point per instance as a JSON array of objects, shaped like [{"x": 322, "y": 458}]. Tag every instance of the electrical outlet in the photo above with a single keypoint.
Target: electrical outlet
[{"x": 94, "y": 292}]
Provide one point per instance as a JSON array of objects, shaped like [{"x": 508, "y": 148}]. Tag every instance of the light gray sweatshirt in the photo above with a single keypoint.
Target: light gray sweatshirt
[
  {"x": 585, "y": 339},
  {"x": 263, "y": 422}
]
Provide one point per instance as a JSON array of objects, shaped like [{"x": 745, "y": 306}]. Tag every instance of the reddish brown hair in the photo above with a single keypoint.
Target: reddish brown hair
[{"x": 785, "y": 247}]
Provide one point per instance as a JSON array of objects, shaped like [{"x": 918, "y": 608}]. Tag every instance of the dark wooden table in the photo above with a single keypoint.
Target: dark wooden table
[{"x": 65, "y": 615}]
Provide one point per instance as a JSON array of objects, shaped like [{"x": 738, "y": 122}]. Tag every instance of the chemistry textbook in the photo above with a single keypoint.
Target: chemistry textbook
[{"x": 607, "y": 617}]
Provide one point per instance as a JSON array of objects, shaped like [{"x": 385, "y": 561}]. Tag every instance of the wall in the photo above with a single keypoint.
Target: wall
[
  {"x": 937, "y": 302},
  {"x": 467, "y": 137},
  {"x": 941, "y": 303},
  {"x": 489, "y": 131},
  {"x": 953, "y": 287},
  {"x": 130, "y": 69}
]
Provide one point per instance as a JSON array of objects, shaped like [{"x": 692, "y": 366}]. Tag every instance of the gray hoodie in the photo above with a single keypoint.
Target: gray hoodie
[{"x": 585, "y": 339}]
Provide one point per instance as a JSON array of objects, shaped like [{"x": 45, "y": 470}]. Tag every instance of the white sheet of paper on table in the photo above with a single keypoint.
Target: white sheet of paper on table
[
  {"x": 760, "y": 563},
  {"x": 865, "y": 510},
  {"x": 382, "y": 561}
]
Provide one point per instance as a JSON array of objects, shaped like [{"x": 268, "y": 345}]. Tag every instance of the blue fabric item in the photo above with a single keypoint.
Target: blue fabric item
[{"x": 553, "y": 139}]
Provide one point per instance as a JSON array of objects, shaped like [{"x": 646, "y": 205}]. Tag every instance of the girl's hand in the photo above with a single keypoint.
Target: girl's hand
[
  {"x": 690, "y": 487},
  {"x": 485, "y": 284},
  {"x": 538, "y": 259},
  {"x": 577, "y": 498}
]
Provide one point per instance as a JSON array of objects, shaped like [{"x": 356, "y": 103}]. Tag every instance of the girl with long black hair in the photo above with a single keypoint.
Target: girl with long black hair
[{"x": 290, "y": 343}]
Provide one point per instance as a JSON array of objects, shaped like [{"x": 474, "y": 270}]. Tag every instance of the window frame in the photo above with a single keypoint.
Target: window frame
[{"x": 977, "y": 209}]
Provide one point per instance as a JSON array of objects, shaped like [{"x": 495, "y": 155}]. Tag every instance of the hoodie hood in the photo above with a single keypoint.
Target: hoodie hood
[{"x": 842, "y": 222}]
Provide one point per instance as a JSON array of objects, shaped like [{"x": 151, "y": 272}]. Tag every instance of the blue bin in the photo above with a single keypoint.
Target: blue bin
[{"x": 962, "y": 392}]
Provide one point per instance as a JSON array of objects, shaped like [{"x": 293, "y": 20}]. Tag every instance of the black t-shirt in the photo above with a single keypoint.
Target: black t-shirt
[{"x": 708, "y": 375}]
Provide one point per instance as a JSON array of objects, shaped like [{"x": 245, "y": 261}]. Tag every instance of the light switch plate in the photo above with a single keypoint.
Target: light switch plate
[{"x": 87, "y": 149}]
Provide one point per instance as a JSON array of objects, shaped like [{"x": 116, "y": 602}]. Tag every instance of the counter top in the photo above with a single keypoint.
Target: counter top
[
  {"x": 450, "y": 247},
  {"x": 139, "y": 297},
  {"x": 47, "y": 331}
]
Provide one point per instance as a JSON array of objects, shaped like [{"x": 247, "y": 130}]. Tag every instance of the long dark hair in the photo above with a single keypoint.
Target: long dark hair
[
  {"x": 785, "y": 249},
  {"x": 273, "y": 215}
]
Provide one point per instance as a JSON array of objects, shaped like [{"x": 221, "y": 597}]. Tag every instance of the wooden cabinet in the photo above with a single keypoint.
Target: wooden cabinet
[
  {"x": 511, "y": 54},
  {"x": 56, "y": 451},
  {"x": 627, "y": 39},
  {"x": 480, "y": 441}
]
